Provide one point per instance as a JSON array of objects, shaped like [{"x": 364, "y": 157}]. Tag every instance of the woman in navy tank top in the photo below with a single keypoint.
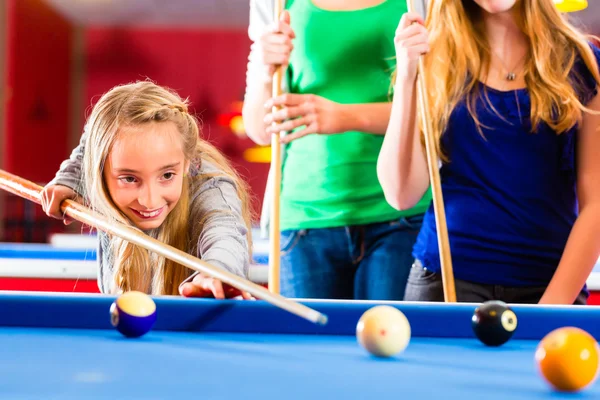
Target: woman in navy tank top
[{"x": 514, "y": 104}]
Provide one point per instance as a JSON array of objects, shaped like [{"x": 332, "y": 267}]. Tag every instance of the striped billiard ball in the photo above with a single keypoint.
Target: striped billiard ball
[{"x": 133, "y": 314}]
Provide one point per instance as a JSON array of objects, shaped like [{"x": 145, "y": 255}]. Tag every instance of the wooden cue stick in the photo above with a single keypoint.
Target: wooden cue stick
[
  {"x": 31, "y": 191},
  {"x": 274, "y": 230},
  {"x": 434, "y": 176}
]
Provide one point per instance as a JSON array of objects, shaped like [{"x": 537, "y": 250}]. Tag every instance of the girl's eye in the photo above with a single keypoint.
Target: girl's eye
[
  {"x": 127, "y": 179},
  {"x": 168, "y": 176}
]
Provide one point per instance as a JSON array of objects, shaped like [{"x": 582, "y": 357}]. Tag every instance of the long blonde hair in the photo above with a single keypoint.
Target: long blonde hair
[
  {"x": 459, "y": 56},
  {"x": 138, "y": 103}
]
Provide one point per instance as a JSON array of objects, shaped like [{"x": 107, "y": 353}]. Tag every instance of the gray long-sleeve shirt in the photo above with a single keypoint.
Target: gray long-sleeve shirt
[{"x": 223, "y": 240}]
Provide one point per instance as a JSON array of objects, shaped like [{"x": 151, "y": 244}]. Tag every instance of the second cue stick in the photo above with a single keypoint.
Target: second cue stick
[
  {"x": 436, "y": 186},
  {"x": 274, "y": 250}
]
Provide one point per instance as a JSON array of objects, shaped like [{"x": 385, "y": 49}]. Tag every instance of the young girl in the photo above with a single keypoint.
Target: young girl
[
  {"x": 514, "y": 104},
  {"x": 339, "y": 238},
  {"x": 141, "y": 162}
]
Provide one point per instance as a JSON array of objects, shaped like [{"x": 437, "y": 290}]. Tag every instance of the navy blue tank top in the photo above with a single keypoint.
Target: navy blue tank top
[{"x": 509, "y": 194}]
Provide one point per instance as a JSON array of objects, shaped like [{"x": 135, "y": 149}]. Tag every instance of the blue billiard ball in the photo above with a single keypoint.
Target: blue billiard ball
[{"x": 133, "y": 314}]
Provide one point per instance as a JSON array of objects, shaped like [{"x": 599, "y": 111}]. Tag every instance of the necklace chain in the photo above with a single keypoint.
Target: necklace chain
[{"x": 511, "y": 74}]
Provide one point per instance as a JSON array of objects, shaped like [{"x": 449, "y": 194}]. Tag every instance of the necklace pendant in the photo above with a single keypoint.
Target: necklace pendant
[{"x": 511, "y": 76}]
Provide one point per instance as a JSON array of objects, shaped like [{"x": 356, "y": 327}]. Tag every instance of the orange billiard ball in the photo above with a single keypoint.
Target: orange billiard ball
[{"x": 567, "y": 358}]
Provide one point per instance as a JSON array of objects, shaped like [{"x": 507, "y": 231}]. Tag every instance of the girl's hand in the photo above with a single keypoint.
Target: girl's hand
[
  {"x": 205, "y": 286},
  {"x": 52, "y": 197},
  {"x": 276, "y": 44},
  {"x": 315, "y": 113},
  {"x": 411, "y": 41}
]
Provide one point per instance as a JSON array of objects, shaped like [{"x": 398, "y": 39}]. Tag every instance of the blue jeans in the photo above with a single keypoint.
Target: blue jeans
[{"x": 364, "y": 262}]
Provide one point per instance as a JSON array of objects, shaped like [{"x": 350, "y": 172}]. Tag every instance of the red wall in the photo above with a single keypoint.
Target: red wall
[
  {"x": 36, "y": 120},
  {"x": 207, "y": 66},
  {"x": 38, "y": 81}
]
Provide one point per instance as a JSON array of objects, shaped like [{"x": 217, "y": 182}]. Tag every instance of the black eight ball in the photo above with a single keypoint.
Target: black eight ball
[{"x": 494, "y": 323}]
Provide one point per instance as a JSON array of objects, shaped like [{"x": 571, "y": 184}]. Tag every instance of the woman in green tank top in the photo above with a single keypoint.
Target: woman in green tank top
[{"x": 339, "y": 236}]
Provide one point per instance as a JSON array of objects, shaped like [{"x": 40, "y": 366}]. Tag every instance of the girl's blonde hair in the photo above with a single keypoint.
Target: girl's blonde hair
[
  {"x": 459, "y": 57},
  {"x": 139, "y": 103}
]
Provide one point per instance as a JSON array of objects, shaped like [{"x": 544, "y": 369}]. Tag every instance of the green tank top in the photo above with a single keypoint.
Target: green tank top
[{"x": 347, "y": 57}]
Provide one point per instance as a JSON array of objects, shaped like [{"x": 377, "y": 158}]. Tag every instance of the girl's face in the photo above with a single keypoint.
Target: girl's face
[
  {"x": 496, "y": 6},
  {"x": 144, "y": 172}
]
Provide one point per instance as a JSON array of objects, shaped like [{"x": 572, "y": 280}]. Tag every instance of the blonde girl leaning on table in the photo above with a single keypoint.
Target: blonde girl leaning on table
[{"x": 142, "y": 162}]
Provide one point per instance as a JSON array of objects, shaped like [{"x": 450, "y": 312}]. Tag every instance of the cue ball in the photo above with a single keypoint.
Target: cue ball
[
  {"x": 133, "y": 314},
  {"x": 567, "y": 359},
  {"x": 494, "y": 323},
  {"x": 383, "y": 331}
]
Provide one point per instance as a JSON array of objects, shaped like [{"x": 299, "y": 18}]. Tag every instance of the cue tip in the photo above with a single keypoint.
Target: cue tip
[{"x": 322, "y": 320}]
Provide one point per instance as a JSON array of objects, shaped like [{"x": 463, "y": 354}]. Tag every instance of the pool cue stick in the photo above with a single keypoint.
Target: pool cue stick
[
  {"x": 434, "y": 176},
  {"x": 32, "y": 192},
  {"x": 274, "y": 230}
]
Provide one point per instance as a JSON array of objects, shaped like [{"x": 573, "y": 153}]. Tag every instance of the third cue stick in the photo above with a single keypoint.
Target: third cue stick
[
  {"x": 434, "y": 176},
  {"x": 32, "y": 191},
  {"x": 274, "y": 251}
]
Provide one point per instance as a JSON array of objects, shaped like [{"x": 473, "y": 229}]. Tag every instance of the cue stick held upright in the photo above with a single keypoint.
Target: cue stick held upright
[
  {"x": 31, "y": 191},
  {"x": 274, "y": 230},
  {"x": 434, "y": 176}
]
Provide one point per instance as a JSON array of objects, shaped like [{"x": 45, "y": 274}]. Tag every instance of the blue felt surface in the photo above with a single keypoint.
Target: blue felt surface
[
  {"x": 250, "y": 349},
  {"x": 92, "y": 364}
]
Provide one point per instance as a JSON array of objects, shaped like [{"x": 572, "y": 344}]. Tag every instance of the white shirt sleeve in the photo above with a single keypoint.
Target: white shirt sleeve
[{"x": 261, "y": 16}]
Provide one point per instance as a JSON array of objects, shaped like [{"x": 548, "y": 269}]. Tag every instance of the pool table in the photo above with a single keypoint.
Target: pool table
[
  {"x": 69, "y": 264},
  {"x": 62, "y": 346},
  {"x": 57, "y": 268}
]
